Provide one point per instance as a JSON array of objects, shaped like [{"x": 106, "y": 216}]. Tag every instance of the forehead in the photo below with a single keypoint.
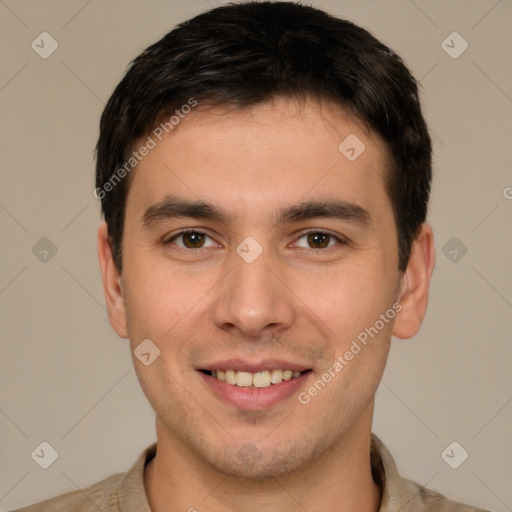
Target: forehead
[{"x": 254, "y": 158}]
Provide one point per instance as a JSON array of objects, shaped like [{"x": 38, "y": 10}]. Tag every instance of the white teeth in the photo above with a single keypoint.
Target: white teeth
[
  {"x": 261, "y": 379},
  {"x": 276, "y": 376},
  {"x": 230, "y": 377},
  {"x": 244, "y": 379}
]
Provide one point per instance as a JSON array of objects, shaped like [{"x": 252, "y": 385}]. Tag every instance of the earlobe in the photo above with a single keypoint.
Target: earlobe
[
  {"x": 414, "y": 288},
  {"x": 111, "y": 284}
]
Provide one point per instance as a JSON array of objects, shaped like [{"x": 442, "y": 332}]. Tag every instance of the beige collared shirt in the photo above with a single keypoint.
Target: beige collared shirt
[{"x": 125, "y": 492}]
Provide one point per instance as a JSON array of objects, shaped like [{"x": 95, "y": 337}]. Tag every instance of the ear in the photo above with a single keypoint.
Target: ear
[
  {"x": 111, "y": 284},
  {"x": 415, "y": 284}
]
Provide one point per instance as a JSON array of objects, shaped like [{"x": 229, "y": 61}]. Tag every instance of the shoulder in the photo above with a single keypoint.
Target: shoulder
[
  {"x": 427, "y": 500},
  {"x": 109, "y": 495},
  {"x": 404, "y": 495},
  {"x": 102, "y": 496}
]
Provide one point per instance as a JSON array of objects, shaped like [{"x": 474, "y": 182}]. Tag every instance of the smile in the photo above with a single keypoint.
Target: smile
[{"x": 262, "y": 379}]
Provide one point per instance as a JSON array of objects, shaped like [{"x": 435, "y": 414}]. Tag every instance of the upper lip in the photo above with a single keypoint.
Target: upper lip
[{"x": 253, "y": 366}]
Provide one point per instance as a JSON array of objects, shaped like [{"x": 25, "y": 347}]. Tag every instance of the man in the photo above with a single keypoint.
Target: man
[{"x": 264, "y": 173}]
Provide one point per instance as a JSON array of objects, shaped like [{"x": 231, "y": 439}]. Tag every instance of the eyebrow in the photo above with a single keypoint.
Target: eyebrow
[
  {"x": 171, "y": 207},
  {"x": 333, "y": 209}
]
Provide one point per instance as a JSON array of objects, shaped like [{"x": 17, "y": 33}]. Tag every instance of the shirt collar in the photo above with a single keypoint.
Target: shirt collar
[
  {"x": 132, "y": 493},
  {"x": 395, "y": 494}
]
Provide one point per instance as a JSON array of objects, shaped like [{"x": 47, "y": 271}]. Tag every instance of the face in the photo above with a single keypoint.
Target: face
[{"x": 253, "y": 249}]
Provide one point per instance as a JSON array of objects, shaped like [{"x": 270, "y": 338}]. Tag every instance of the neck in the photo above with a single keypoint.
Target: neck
[{"x": 340, "y": 480}]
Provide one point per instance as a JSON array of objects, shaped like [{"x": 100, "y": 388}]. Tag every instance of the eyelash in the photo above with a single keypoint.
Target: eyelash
[
  {"x": 184, "y": 232},
  {"x": 340, "y": 240}
]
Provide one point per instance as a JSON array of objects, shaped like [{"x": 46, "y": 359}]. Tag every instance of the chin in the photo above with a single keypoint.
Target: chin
[{"x": 248, "y": 462}]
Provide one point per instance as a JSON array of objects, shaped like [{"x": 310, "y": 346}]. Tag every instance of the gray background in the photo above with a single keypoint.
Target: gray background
[{"x": 68, "y": 380}]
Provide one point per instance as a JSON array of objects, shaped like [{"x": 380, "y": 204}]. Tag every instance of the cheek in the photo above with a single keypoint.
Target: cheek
[
  {"x": 159, "y": 299},
  {"x": 347, "y": 299}
]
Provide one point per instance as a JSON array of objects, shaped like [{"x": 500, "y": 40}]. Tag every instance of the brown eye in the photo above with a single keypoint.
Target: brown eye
[
  {"x": 318, "y": 240},
  {"x": 193, "y": 240}
]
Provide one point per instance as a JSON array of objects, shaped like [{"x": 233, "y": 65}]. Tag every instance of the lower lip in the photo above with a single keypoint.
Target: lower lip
[{"x": 254, "y": 399}]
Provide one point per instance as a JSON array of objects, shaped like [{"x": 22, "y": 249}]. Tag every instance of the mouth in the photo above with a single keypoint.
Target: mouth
[
  {"x": 254, "y": 385},
  {"x": 259, "y": 379}
]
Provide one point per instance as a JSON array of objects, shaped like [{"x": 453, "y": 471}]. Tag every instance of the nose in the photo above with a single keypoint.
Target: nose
[{"x": 253, "y": 299}]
